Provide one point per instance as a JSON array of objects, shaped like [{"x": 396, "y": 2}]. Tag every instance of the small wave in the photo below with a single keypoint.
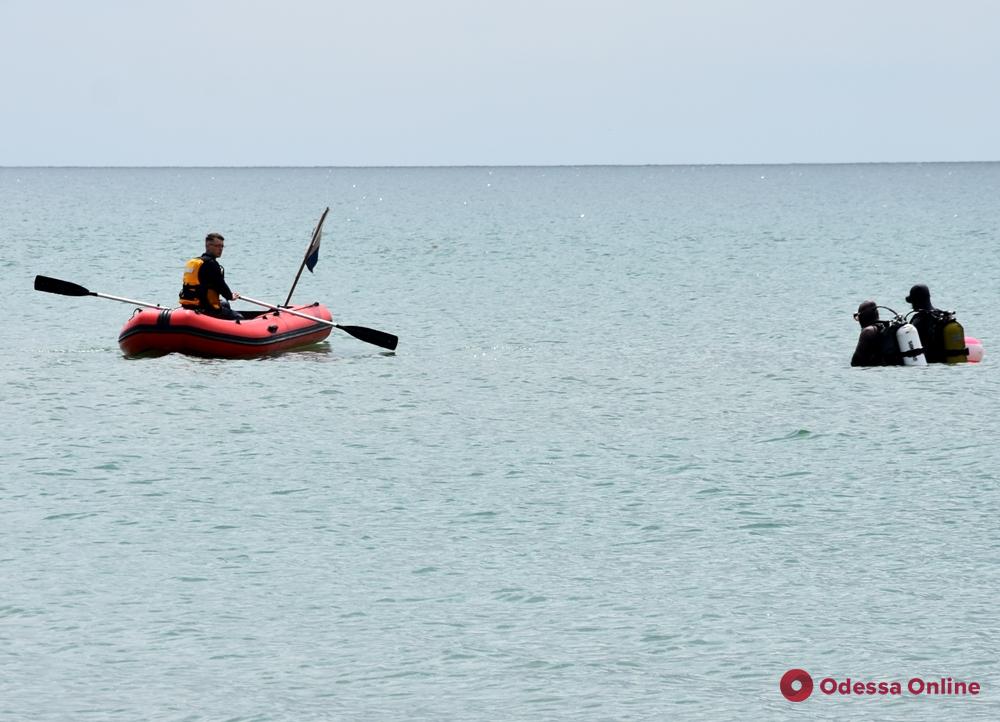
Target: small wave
[{"x": 796, "y": 435}]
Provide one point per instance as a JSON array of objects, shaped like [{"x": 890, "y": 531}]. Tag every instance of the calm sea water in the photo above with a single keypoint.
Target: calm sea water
[{"x": 619, "y": 468}]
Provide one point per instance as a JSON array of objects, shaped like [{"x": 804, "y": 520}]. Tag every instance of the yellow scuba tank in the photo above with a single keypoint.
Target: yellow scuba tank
[{"x": 953, "y": 335}]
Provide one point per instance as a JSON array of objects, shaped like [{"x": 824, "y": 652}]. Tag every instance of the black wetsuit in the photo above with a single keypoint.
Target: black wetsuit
[
  {"x": 926, "y": 326},
  {"x": 876, "y": 347}
]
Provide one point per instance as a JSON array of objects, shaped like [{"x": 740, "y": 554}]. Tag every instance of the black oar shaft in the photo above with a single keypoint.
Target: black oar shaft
[
  {"x": 66, "y": 288},
  {"x": 369, "y": 335},
  {"x": 372, "y": 336},
  {"x": 63, "y": 288}
]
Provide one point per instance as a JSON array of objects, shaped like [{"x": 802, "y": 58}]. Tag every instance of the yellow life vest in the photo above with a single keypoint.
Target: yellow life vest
[{"x": 193, "y": 294}]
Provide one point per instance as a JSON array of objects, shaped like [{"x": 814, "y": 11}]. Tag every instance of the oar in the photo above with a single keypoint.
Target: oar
[
  {"x": 65, "y": 288},
  {"x": 368, "y": 335}
]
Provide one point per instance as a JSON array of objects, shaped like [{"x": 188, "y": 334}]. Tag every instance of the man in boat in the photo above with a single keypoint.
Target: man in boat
[
  {"x": 205, "y": 287},
  {"x": 876, "y": 343}
]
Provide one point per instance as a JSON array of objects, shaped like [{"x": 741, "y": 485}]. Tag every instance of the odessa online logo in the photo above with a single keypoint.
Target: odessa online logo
[{"x": 796, "y": 685}]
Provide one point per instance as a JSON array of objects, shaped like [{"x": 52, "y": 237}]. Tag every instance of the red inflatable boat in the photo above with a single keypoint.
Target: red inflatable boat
[{"x": 155, "y": 331}]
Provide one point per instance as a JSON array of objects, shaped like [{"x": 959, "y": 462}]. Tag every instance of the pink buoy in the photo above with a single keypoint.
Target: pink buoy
[{"x": 975, "y": 349}]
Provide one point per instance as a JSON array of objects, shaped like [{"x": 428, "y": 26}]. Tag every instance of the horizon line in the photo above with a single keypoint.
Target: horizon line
[{"x": 486, "y": 165}]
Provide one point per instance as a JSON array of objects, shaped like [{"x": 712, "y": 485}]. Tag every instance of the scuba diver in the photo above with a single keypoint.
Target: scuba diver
[
  {"x": 876, "y": 342},
  {"x": 886, "y": 343},
  {"x": 943, "y": 337}
]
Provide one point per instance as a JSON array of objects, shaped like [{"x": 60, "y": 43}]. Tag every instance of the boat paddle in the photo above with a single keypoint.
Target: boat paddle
[
  {"x": 368, "y": 335},
  {"x": 65, "y": 288}
]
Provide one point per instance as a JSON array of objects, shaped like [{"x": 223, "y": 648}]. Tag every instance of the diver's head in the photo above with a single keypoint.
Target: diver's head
[
  {"x": 867, "y": 313},
  {"x": 919, "y": 298}
]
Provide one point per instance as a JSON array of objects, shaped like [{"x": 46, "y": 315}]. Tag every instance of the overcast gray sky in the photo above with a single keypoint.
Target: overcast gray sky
[{"x": 470, "y": 82}]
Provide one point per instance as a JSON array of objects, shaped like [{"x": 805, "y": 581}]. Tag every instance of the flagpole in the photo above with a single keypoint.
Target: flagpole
[{"x": 305, "y": 258}]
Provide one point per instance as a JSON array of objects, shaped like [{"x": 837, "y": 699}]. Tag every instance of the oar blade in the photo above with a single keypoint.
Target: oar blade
[
  {"x": 372, "y": 336},
  {"x": 63, "y": 288}
]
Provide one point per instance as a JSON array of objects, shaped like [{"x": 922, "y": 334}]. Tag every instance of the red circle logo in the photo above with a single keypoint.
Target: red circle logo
[{"x": 796, "y": 685}]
